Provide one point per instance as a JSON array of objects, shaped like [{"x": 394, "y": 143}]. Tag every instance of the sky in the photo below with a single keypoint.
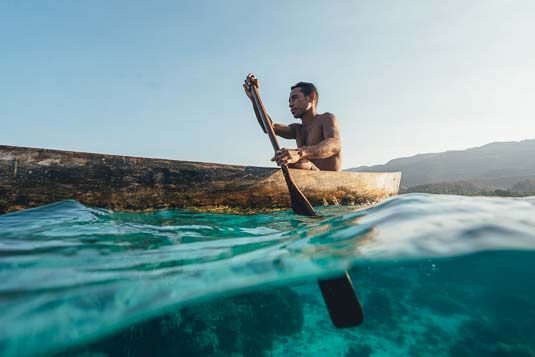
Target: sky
[{"x": 164, "y": 78}]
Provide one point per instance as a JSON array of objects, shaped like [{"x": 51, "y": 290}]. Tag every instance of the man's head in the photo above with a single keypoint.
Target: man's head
[{"x": 303, "y": 97}]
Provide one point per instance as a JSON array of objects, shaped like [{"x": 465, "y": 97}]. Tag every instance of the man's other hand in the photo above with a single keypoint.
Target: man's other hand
[
  {"x": 287, "y": 156},
  {"x": 250, "y": 79}
]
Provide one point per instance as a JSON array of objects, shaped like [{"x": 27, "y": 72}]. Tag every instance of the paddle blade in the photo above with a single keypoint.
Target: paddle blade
[
  {"x": 300, "y": 203},
  {"x": 342, "y": 301}
]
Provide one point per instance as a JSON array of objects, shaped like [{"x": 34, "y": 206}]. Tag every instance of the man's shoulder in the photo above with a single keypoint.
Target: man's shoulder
[{"x": 327, "y": 117}]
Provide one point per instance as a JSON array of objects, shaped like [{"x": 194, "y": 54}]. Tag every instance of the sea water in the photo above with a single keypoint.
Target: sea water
[{"x": 436, "y": 275}]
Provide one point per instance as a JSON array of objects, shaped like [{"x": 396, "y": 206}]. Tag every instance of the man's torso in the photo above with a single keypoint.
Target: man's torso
[{"x": 313, "y": 135}]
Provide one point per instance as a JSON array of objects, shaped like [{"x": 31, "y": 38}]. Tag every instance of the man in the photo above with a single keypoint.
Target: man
[{"x": 317, "y": 137}]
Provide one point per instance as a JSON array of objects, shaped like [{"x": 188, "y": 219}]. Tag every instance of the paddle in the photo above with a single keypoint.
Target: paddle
[{"x": 338, "y": 293}]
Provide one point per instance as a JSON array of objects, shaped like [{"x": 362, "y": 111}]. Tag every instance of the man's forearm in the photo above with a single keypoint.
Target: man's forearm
[
  {"x": 325, "y": 149},
  {"x": 258, "y": 117}
]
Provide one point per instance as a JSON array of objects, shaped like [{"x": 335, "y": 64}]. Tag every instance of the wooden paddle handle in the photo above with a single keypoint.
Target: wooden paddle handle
[{"x": 265, "y": 119}]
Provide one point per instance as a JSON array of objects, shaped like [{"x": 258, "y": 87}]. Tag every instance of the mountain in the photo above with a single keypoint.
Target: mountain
[{"x": 495, "y": 166}]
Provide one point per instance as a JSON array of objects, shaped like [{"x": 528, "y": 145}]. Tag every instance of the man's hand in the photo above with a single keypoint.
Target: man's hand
[
  {"x": 287, "y": 156},
  {"x": 250, "y": 79}
]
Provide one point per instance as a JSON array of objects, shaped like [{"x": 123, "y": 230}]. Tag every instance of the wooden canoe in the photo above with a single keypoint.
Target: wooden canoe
[{"x": 32, "y": 177}]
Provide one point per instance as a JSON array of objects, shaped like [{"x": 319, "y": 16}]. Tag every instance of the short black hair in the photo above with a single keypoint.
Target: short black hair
[{"x": 307, "y": 89}]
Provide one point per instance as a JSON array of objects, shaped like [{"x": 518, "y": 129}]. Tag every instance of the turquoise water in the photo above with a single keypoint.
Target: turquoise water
[{"x": 436, "y": 275}]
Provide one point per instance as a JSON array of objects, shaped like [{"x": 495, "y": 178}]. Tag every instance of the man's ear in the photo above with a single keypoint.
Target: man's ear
[{"x": 313, "y": 97}]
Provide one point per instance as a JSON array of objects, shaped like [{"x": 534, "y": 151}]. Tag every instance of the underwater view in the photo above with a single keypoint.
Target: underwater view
[{"x": 437, "y": 275}]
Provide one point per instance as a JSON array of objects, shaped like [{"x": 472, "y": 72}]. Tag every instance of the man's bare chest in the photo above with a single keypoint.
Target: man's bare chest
[{"x": 310, "y": 135}]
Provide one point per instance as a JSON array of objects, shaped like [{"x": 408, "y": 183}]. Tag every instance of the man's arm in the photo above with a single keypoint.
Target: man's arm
[
  {"x": 329, "y": 146},
  {"x": 285, "y": 131},
  {"x": 249, "y": 80}
]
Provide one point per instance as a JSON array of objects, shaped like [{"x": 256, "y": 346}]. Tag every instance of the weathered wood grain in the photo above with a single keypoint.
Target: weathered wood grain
[{"x": 33, "y": 177}]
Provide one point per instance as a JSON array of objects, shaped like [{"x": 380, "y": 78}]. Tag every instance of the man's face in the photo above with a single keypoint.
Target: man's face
[{"x": 298, "y": 103}]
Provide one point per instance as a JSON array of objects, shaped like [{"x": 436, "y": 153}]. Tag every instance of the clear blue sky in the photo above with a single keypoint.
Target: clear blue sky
[{"x": 163, "y": 78}]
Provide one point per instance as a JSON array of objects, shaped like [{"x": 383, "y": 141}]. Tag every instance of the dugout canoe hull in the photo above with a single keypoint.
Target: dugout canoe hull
[{"x": 31, "y": 177}]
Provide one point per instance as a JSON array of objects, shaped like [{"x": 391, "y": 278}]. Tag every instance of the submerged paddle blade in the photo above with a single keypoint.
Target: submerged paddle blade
[
  {"x": 342, "y": 301},
  {"x": 300, "y": 204}
]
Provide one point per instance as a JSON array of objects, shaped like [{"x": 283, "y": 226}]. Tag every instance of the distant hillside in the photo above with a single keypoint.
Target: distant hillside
[
  {"x": 525, "y": 187},
  {"x": 495, "y": 166},
  {"x": 466, "y": 188}
]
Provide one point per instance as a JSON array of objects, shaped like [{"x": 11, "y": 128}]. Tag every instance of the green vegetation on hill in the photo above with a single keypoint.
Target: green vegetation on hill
[
  {"x": 525, "y": 187},
  {"x": 464, "y": 188}
]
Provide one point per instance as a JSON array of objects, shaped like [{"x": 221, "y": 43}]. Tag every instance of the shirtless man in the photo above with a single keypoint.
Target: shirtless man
[{"x": 317, "y": 137}]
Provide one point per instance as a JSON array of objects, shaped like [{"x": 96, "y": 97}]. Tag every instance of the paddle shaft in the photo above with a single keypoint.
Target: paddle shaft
[{"x": 268, "y": 125}]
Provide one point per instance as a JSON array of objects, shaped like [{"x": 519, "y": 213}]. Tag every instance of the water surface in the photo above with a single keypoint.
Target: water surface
[{"x": 437, "y": 275}]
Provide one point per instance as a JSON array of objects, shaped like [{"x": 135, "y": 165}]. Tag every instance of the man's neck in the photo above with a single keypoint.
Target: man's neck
[{"x": 308, "y": 117}]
